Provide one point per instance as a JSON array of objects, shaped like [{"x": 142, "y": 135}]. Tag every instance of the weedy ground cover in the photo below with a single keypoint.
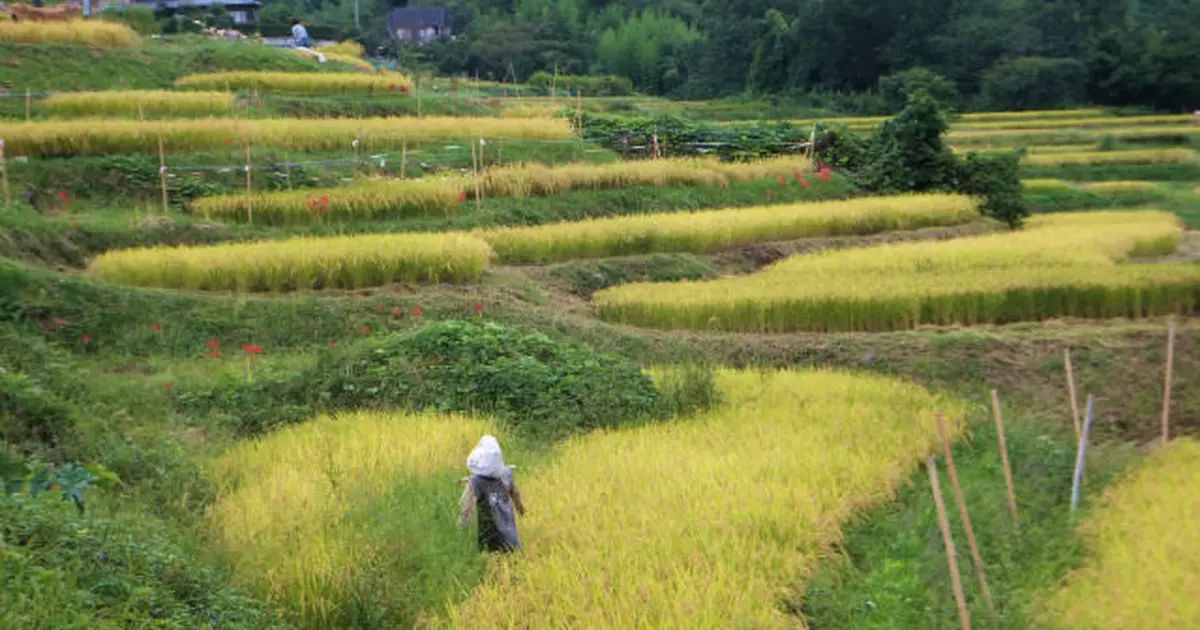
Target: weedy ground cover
[
  {"x": 310, "y": 516},
  {"x": 1100, "y": 158},
  {"x": 303, "y": 82},
  {"x": 134, "y": 103},
  {"x": 707, "y": 231},
  {"x": 1143, "y": 571},
  {"x": 97, "y": 33},
  {"x": 345, "y": 262},
  {"x": 1062, "y": 265},
  {"x": 703, "y": 523},
  {"x": 380, "y": 199},
  {"x": 84, "y": 137}
]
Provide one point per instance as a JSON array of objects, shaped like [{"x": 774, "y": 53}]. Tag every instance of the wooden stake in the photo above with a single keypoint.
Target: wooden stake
[
  {"x": 475, "y": 167},
  {"x": 961, "y": 500},
  {"x": 4, "y": 175},
  {"x": 357, "y": 149},
  {"x": 28, "y": 104},
  {"x": 141, "y": 113},
  {"x": 1071, "y": 390},
  {"x": 249, "y": 187},
  {"x": 951, "y": 559},
  {"x": 1008, "y": 478},
  {"x": 1166, "y": 409},
  {"x": 162, "y": 172},
  {"x": 403, "y": 156},
  {"x": 1081, "y": 455}
]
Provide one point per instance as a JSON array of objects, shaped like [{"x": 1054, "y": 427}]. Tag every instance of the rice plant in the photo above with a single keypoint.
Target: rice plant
[
  {"x": 1100, "y": 158},
  {"x": 347, "y": 48},
  {"x": 97, "y": 33},
  {"x": 301, "y": 82},
  {"x": 707, "y": 523},
  {"x": 1120, "y": 187},
  {"x": 707, "y": 231},
  {"x": 341, "y": 262},
  {"x": 1062, "y": 265},
  {"x": 1098, "y": 122},
  {"x": 88, "y": 137},
  {"x": 391, "y": 199},
  {"x": 288, "y": 513},
  {"x": 1015, "y": 137},
  {"x": 1145, "y": 566},
  {"x": 134, "y": 103},
  {"x": 1045, "y": 186}
]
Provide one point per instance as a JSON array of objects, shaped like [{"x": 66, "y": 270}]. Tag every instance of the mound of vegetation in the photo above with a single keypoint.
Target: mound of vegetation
[{"x": 540, "y": 386}]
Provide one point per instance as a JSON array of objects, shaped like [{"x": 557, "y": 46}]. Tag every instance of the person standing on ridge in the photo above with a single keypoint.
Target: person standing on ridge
[
  {"x": 491, "y": 496},
  {"x": 299, "y": 34}
]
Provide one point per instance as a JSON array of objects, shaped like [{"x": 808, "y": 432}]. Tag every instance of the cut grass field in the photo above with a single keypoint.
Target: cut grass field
[
  {"x": 1144, "y": 571},
  {"x": 398, "y": 199},
  {"x": 97, "y": 33},
  {"x": 135, "y": 103},
  {"x": 1064, "y": 265},
  {"x": 84, "y": 137},
  {"x": 340, "y": 262},
  {"x": 300, "y": 82},
  {"x": 709, "y": 231},
  {"x": 703, "y": 523},
  {"x": 298, "y": 514}
]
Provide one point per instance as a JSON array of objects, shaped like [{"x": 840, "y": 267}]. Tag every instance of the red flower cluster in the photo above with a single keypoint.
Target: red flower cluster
[
  {"x": 215, "y": 354},
  {"x": 251, "y": 348},
  {"x": 332, "y": 343},
  {"x": 319, "y": 205},
  {"x": 825, "y": 174},
  {"x": 366, "y": 330},
  {"x": 378, "y": 308},
  {"x": 62, "y": 195},
  {"x": 478, "y": 308},
  {"x": 156, "y": 328},
  {"x": 462, "y": 196},
  {"x": 87, "y": 338},
  {"x": 418, "y": 312},
  {"x": 214, "y": 344},
  {"x": 74, "y": 224},
  {"x": 396, "y": 312}
]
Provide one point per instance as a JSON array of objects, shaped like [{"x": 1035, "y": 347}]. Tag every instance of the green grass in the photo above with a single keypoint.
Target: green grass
[
  {"x": 1148, "y": 172},
  {"x": 893, "y": 573}
]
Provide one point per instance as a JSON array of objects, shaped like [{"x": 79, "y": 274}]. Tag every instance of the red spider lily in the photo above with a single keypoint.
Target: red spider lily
[
  {"x": 462, "y": 196},
  {"x": 395, "y": 312},
  {"x": 332, "y": 343},
  {"x": 228, "y": 140},
  {"x": 87, "y": 338},
  {"x": 799, "y": 176},
  {"x": 378, "y": 308},
  {"x": 780, "y": 180},
  {"x": 403, "y": 88},
  {"x": 169, "y": 384},
  {"x": 366, "y": 330},
  {"x": 62, "y": 195},
  {"x": 478, "y": 308},
  {"x": 251, "y": 348},
  {"x": 804, "y": 183},
  {"x": 825, "y": 175},
  {"x": 74, "y": 224},
  {"x": 214, "y": 354},
  {"x": 214, "y": 344},
  {"x": 156, "y": 328},
  {"x": 418, "y": 312}
]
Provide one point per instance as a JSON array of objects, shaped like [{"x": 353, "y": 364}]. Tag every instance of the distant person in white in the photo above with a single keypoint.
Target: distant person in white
[{"x": 299, "y": 34}]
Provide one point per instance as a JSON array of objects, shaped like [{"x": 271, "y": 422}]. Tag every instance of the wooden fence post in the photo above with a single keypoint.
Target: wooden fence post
[
  {"x": 1071, "y": 390},
  {"x": 1008, "y": 478},
  {"x": 403, "y": 156},
  {"x": 1166, "y": 409},
  {"x": 963, "y": 513},
  {"x": 951, "y": 559},
  {"x": 1081, "y": 456}
]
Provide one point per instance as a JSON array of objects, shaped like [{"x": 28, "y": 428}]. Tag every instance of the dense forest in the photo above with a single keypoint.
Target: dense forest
[{"x": 979, "y": 54}]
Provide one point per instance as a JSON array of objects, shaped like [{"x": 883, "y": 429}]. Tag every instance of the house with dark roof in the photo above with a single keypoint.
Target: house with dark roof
[
  {"x": 420, "y": 25},
  {"x": 242, "y": 11}
]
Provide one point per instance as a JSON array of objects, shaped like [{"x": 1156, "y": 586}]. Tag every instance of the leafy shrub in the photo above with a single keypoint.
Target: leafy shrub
[
  {"x": 995, "y": 178},
  {"x": 140, "y": 19},
  {"x": 689, "y": 389},
  {"x": 63, "y": 569},
  {"x": 899, "y": 87},
  {"x": 29, "y": 414},
  {"x": 606, "y": 85}
]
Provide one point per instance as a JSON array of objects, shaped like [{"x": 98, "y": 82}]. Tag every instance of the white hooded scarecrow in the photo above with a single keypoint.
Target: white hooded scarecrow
[{"x": 492, "y": 495}]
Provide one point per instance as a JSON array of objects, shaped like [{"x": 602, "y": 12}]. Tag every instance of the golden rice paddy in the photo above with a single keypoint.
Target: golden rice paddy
[
  {"x": 97, "y": 33},
  {"x": 135, "y": 103},
  {"x": 1098, "y": 158},
  {"x": 301, "y": 82}
]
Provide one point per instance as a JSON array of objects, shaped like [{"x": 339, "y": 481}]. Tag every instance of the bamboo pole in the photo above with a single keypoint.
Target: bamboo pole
[
  {"x": 475, "y": 168},
  {"x": 4, "y": 175},
  {"x": 287, "y": 169},
  {"x": 141, "y": 112},
  {"x": 951, "y": 559},
  {"x": 1166, "y": 409},
  {"x": 28, "y": 104},
  {"x": 965, "y": 515},
  {"x": 482, "y": 169},
  {"x": 1081, "y": 455},
  {"x": 162, "y": 172},
  {"x": 403, "y": 156},
  {"x": 357, "y": 151},
  {"x": 1071, "y": 390},
  {"x": 1008, "y": 477},
  {"x": 249, "y": 187}
]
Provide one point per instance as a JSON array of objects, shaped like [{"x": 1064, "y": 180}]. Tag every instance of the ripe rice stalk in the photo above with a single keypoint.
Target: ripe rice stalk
[
  {"x": 1046, "y": 186},
  {"x": 1066, "y": 265},
  {"x": 708, "y": 231},
  {"x": 126, "y": 103},
  {"x": 1142, "y": 569},
  {"x": 704, "y": 523},
  {"x": 305, "y": 482},
  {"x": 299, "y": 264},
  {"x": 1120, "y": 187},
  {"x": 95, "y": 33},
  {"x": 347, "y": 48},
  {"x": 350, "y": 60},
  {"x": 84, "y": 137},
  {"x": 302, "y": 82},
  {"x": 1099, "y": 122},
  {"x": 399, "y": 199},
  {"x": 1097, "y": 158}
]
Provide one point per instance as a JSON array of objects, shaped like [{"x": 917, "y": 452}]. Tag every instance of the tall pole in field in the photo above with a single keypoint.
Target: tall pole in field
[
  {"x": 1166, "y": 409},
  {"x": 1008, "y": 478},
  {"x": 965, "y": 515},
  {"x": 1071, "y": 390},
  {"x": 948, "y": 541},
  {"x": 1081, "y": 456}
]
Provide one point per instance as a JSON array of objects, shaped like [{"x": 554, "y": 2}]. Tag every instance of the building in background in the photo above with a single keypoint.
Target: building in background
[{"x": 420, "y": 25}]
